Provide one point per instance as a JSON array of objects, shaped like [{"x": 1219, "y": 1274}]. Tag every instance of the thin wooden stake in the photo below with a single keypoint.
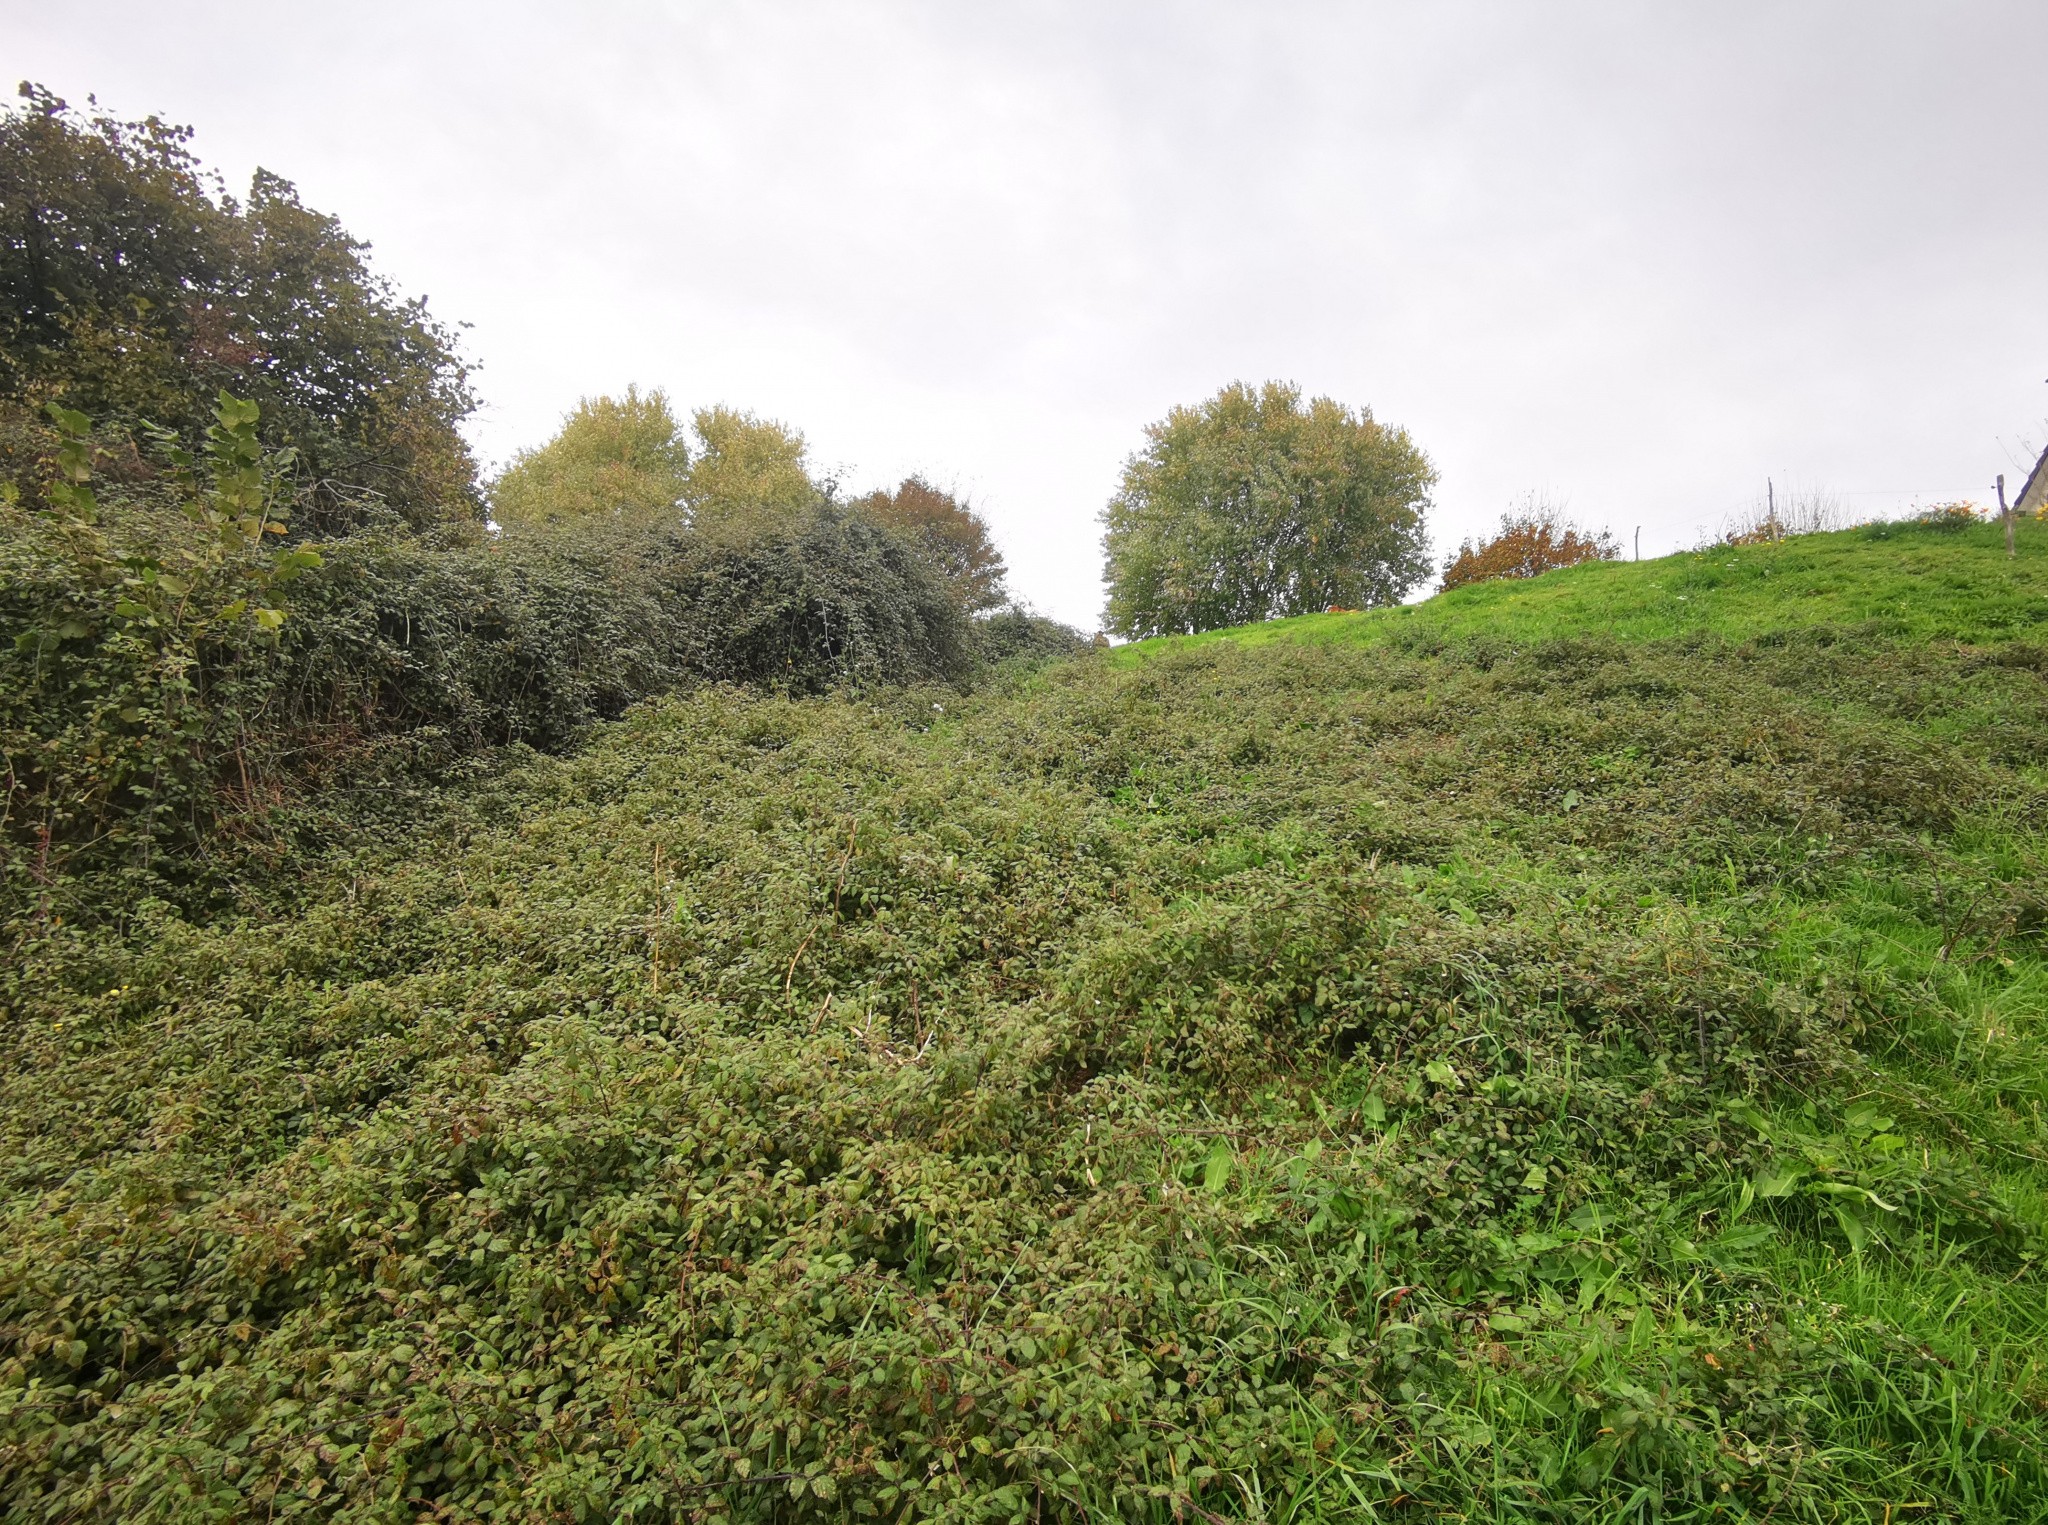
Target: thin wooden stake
[{"x": 2005, "y": 513}]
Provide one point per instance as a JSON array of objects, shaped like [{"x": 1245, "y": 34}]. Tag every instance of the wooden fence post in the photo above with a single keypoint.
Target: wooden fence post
[{"x": 2005, "y": 513}]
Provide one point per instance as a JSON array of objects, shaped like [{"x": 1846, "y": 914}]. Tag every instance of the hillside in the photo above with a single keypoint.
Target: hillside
[
  {"x": 1566, "y": 1051},
  {"x": 1903, "y": 581}
]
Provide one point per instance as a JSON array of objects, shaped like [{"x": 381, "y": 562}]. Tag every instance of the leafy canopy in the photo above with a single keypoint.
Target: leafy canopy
[
  {"x": 1532, "y": 539},
  {"x": 613, "y": 455},
  {"x": 1255, "y": 506},
  {"x": 133, "y": 288},
  {"x": 951, "y": 532},
  {"x": 751, "y": 476},
  {"x": 746, "y": 478}
]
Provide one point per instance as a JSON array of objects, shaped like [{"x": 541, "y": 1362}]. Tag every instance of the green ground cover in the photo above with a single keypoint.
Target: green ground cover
[
  {"x": 1900, "y": 580},
  {"x": 1566, "y": 1052}
]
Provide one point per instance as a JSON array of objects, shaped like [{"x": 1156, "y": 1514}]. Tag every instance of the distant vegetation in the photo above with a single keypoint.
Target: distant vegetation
[
  {"x": 1256, "y": 505},
  {"x": 1532, "y": 540},
  {"x": 952, "y": 533},
  {"x": 148, "y": 699},
  {"x": 741, "y": 477},
  {"x": 620, "y": 457},
  {"x": 1774, "y": 516}
]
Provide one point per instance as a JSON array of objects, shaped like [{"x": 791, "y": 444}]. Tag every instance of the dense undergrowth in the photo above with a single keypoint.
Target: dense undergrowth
[
  {"x": 148, "y": 751},
  {"x": 1496, "y": 1069}
]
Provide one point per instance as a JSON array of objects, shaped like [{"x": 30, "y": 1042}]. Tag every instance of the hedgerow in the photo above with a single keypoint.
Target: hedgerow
[
  {"x": 1255, "y": 1083},
  {"x": 143, "y": 741}
]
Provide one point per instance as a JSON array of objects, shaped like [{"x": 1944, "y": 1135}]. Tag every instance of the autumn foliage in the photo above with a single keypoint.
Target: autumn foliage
[
  {"x": 951, "y": 531},
  {"x": 1531, "y": 541}
]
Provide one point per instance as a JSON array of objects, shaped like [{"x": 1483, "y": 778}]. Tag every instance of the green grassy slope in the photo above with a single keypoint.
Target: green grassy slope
[
  {"x": 1898, "y": 580},
  {"x": 1558, "y": 1054}
]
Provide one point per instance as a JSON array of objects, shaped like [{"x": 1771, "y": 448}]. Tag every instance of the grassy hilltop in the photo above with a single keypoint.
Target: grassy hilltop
[
  {"x": 1566, "y": 1051},
  {"x": 1916, "y": 584}
]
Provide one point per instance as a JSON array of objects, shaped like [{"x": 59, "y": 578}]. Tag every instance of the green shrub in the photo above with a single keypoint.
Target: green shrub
[
  {"x": 136, "y": 626},
  {"x": 1016, "y": 635},
  {"x": 838, "y": 600},
  {"x": 148, "y": 700}
]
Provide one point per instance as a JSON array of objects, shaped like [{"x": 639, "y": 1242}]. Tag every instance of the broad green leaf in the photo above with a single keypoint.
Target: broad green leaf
[
  {"x": 70, "y": 420},
  {"x": 1848, "y": 1189},
  {"x": 1781, "y": 1182},
  {"x": 1853, "y": 1228},
  {"x": 1216, "y": 1173}
]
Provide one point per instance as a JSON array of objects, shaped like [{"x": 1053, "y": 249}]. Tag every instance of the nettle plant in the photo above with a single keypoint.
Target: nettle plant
[{"x": 126, "y": 687}]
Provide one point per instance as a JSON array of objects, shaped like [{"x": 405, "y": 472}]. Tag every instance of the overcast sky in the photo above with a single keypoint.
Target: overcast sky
[{"x": 1637, "y": 256}]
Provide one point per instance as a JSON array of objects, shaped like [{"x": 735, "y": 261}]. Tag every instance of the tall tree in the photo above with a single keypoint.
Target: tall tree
[
  {"x": 613, "y": 455},
  {"x": 1256, "y": 505},
  {"x": 751, "y": 475},
  {"x": 952, "y": 533},
  {"x": 133, "y": 287}
]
